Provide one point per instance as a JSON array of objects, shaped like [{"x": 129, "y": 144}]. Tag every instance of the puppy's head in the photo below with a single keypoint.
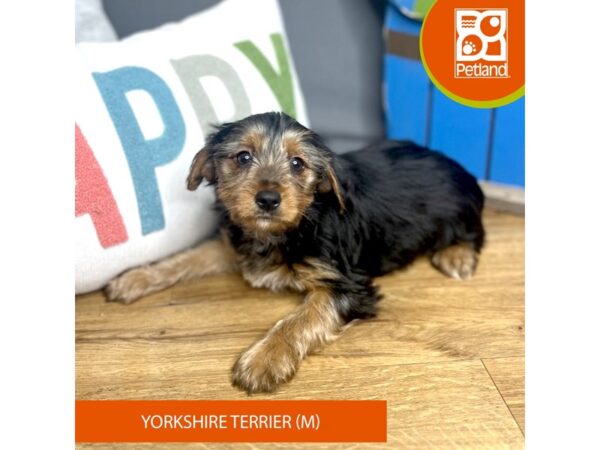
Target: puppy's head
[{"x": 267, "y": 169}]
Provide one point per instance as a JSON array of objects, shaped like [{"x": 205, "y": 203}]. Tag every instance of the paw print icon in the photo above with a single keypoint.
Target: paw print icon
[
  {"x": 468, "y": 48},
  {"x": 471, "y": 45}
]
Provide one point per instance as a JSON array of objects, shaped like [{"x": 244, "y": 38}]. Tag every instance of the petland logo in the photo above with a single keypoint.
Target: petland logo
[{"x": 481, "y": 43}]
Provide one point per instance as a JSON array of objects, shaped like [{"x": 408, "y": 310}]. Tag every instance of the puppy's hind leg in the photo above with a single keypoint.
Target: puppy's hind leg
[
  {"x": 457, "y": 261},
  {"x": 209, "y": 258}
]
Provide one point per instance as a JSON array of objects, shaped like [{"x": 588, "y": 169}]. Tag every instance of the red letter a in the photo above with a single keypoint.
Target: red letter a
[{"x": 94, "y": 197}]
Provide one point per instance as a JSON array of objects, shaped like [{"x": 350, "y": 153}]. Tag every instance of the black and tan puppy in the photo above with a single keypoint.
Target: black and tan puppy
[{"x": 293, "y": 215}]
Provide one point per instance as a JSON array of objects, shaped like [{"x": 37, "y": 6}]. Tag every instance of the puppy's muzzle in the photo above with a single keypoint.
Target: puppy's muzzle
[{"x": 268, "y": 201}]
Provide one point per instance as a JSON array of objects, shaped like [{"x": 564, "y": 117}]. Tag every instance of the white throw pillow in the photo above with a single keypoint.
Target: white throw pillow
[{"x": 144, "y": 107}]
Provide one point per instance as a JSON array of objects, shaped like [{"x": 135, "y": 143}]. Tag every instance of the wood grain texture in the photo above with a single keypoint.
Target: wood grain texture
[
  {"x": 509, "y": 377},
  {"x": 423, "y": 353}
]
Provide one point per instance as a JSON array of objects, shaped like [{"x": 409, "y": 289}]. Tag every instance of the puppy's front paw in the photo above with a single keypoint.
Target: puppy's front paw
[
  {"x": 267, "y": 364},
  {"x": 131, "y": 285}
]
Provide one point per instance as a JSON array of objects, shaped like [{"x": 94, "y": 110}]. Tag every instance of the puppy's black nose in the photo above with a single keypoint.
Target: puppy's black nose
[{"x": 268, "y": 200}]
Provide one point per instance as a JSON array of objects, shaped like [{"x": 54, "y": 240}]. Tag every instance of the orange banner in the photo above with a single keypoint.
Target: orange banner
[{"x": 231, "y": 421}]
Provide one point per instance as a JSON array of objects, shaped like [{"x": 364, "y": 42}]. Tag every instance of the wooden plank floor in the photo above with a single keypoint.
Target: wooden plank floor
[{"x": 447, "y": 355}]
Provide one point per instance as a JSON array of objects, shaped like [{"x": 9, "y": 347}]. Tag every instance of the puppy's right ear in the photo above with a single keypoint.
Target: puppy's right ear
[
  {"x": 331, "y": 183},
  {"x": 203, "y": 167}
]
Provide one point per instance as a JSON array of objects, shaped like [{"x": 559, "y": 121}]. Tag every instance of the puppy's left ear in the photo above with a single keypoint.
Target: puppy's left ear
[
  {"x": 202, "y": 168},
  {"x": 330, "y": 182}
]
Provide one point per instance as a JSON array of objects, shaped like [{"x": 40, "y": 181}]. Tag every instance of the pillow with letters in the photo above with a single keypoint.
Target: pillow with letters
[{"x": 144, "y": 106}]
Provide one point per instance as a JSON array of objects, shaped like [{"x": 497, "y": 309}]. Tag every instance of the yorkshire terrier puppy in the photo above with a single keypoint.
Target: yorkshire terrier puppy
[{"x": 294, "y": 215}]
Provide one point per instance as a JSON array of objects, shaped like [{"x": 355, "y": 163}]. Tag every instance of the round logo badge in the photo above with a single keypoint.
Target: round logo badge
[{"x": 475, "y": 54}]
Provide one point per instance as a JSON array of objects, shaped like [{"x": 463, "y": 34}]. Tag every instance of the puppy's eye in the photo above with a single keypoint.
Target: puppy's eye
[
  {"x": 297, "y": 164},
  {"x": 244, "y": 158}
]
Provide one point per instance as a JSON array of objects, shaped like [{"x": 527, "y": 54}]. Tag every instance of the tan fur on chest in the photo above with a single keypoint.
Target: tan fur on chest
[
  {"x": 271, "y": 273},
  {"x": 276, "y": 278}
]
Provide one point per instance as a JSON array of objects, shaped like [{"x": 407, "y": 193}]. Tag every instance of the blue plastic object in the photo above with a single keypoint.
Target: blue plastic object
[{"x": 490, "y": 143}]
